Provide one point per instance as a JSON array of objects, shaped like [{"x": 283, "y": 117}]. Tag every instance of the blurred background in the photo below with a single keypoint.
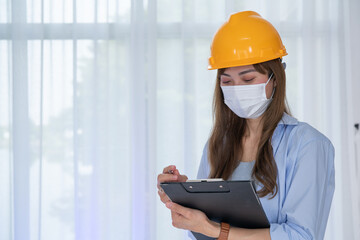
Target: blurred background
[{"x": 97, "y": 96}]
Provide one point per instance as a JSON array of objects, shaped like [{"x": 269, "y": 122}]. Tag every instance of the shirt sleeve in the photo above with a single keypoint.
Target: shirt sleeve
[
  {"x": 190, "y": 235},
  {"x": 310, "y": 185},
  {"x": 204, "y": 168}
]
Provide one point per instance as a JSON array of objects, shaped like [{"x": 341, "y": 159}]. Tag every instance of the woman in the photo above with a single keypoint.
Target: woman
[{"x": 254, "y": 137}]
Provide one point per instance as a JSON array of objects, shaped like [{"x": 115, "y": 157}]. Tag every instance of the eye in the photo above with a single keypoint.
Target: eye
[
  {"x": 249, "y": 79},
  {"x": 225, "y": 80}
]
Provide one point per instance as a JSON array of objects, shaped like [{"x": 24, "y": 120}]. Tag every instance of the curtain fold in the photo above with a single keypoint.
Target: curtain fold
[{"x": 96, "y": 101}]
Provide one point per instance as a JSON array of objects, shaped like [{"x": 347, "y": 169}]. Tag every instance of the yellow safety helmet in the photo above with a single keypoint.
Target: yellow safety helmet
[{"x": 246, "y": 38}]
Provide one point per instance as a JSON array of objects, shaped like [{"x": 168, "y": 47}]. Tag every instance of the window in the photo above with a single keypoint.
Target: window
[{"x": 96, "y": 97}]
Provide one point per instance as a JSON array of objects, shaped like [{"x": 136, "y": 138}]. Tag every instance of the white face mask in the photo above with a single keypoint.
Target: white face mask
[{"x": 247, "y": 101}]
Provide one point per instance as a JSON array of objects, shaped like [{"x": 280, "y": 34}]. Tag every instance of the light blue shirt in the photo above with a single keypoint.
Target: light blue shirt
[{"x": 306, "y": 181}]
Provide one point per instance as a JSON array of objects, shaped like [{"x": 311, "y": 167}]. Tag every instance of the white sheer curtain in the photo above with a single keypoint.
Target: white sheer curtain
[{"x": 96, "y": 97}]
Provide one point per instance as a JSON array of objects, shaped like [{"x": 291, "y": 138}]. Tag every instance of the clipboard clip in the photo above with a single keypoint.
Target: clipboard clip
[{"x": 206, "y": 187}]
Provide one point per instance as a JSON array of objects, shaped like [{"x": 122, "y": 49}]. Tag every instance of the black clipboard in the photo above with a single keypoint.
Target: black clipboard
[{"x": 233, "y": 202}]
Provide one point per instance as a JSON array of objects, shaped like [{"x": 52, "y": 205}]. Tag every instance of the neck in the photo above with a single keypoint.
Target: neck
[{"x": 254, "y": 128}]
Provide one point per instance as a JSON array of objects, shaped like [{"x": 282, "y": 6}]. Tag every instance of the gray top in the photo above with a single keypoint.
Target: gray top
[{"x": 243, "y": 171}]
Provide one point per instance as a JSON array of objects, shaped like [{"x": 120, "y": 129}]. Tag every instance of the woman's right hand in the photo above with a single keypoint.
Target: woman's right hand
[{"x": 169, "y": 174}]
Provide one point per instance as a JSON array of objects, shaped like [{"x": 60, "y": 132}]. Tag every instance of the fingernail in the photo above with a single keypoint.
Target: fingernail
[
  {"x": 174, "y": 177},
  {"x": 168, "y": 204}
]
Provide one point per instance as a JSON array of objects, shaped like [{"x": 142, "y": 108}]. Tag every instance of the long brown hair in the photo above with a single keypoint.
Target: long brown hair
[{"x": 225, "y": 143}]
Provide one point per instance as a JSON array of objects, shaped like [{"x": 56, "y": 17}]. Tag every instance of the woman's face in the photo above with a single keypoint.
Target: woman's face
[{"x": 246, "y": 75}]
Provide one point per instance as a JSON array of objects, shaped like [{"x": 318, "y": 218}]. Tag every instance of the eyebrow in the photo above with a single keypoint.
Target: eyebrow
[{"x": 241, "y": 73}]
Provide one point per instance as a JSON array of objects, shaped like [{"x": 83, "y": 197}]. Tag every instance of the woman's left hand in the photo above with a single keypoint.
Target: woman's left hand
[{"x": 193, "y": 220}]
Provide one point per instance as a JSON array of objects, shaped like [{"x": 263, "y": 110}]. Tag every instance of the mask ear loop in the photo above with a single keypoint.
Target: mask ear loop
[
  {"x": 272, "y": 94},
  {"x": 271, "y": 75}
]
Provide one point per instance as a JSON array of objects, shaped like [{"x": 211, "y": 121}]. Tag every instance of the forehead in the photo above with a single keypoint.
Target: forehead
[{"x": 239, "y": 69}]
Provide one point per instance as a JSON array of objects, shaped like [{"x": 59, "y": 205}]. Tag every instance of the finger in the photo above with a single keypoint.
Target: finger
[
  {"x": 169, "y": 168},
  {"x": 179, "y": 209},
  {"x": 178, "y": 220},
  {"x": 183, "y": 178},
  {"x": 163, "y": 197},
  {"x": 176, "y": 217},
  {"x": 166, "y": 178}
]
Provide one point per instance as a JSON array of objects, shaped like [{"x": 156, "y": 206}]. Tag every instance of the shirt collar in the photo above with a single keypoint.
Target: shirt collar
[
  {"x": 279, "y": 131},
  {"x": 288, "y": 120}
]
